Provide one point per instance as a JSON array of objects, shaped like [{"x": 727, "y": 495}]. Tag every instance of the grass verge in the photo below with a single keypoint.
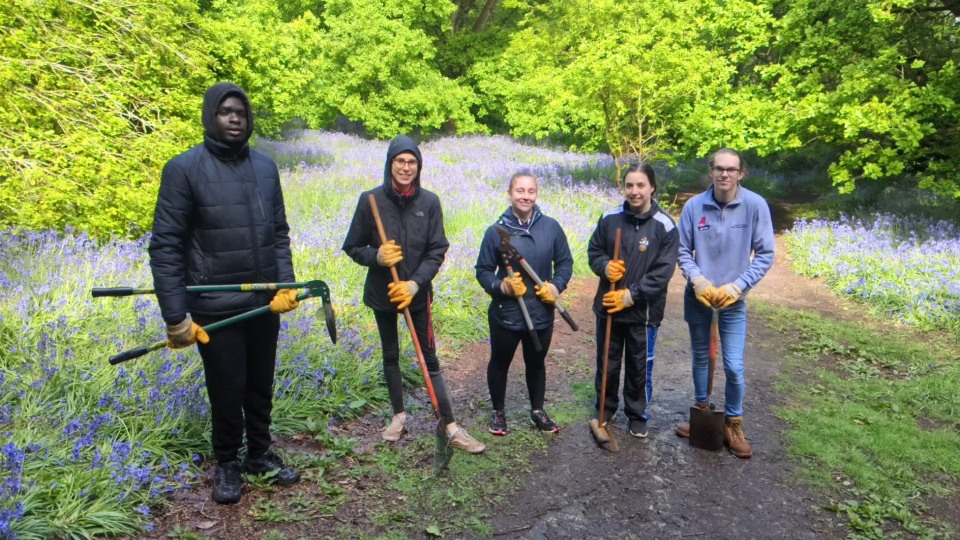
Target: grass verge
[{"x": 874, "y": 420}]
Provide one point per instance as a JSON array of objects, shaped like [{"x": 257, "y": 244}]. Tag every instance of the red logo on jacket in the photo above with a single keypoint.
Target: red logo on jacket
[{"x": 702, "y": 226}]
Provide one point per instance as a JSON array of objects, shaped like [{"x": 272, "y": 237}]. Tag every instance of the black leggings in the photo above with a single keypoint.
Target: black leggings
[
  {"x": 238, "y": 364},
  {"x": 503, "y": 344},
  {"x": 390, "y": 341}
]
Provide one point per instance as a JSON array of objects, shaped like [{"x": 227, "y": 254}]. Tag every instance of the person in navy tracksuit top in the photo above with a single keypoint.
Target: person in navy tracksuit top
[
  {"x": 543, "y": 244},
  {"x": 648, "y": 259}
]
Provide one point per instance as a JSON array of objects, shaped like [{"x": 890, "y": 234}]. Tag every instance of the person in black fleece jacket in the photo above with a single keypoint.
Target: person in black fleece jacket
[
  {"x": 413, "y": 221},
  {"x": 220, "y": 219}
]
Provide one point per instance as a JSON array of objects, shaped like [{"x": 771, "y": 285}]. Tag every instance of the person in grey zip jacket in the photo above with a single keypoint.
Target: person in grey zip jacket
[
  {"x": 647, "y": 261},
  {"x": 726, "y": 247}
]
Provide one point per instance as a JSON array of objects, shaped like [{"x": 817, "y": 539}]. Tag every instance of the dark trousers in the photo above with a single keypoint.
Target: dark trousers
[
  {"x": 628, "y": 344},
  {"x": 503, "y": 345},
  {"x": 238, "y": 364},
  {"x": 390, "y": 341}
]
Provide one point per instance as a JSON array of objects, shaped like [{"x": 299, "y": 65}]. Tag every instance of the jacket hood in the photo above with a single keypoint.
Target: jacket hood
[
  {"x": 399, "y": 145},
  {"x": 212, "y": 99}
]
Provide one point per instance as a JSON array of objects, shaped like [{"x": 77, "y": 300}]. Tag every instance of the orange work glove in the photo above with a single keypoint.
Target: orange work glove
[
  {"x": 727, "y": 295},
  {"x": 185, "y": 333},
  {"x": 513, "y": 286},
  {"x": 389, "y": 254},
  {"x": 616, "y": 301},
  {"x": 547, "y": 294},
  {"x": 615, "y": 270},
  {"x": 402, "y": 293},
  {"x": 704, "y": 290},
  {"x": 285, "y": 300}
]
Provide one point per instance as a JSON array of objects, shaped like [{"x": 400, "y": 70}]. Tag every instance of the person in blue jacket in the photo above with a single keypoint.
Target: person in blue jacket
[
  {"x": 648, "y": 259},
  {"x": 726, "y": 247},
  {"x": 543, "y": 245}
]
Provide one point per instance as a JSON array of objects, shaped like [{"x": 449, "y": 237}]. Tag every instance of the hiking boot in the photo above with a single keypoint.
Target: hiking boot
[
  {"x": 270, "y": 462},
  {"x": 543, "y": 422},
  {"x": 734, "y": 438},
  {"x": 638, "y": 428},
  {"x": 396, "y": 429},
  {"x": 227, "y": 483},
  {"x": 498, "y": 426},
  {"x": 462, "y": 440},
  {"x": 683, "y": 430}
]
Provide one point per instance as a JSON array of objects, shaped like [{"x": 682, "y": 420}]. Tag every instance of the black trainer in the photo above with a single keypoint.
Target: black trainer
[
  {"x": 543, "y": 422},
  {"x": 270, "y": 462},
  {"x": 638, "y": 428},
  {"x": 498, "y": 426},
  {"x": 227, "y": 482}
]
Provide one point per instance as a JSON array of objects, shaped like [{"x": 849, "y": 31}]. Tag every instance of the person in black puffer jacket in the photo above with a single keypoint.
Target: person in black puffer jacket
[
  {"x": 220, "y": 219},
  {"x": 648, "y": 259},
  {"x": 543, "y": 245},
  {"x": 413, "y": 221}
]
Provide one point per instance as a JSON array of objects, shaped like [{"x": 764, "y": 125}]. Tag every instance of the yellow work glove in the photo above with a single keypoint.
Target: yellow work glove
[
  {"x": 285, "y": 300},
  {"x": 401, "y": 293},
  {"x": 616, "y": 301},
  {"x": 513, "y": 286},
  {"x": 704, "y": 290},
  {"x": 185, "y": 333},
  {"x": 615, "y": 270},
  {"x": 389, "y": 254},
  {"x": 547, "y": 294},
  {"x": 727, "y": 295}
]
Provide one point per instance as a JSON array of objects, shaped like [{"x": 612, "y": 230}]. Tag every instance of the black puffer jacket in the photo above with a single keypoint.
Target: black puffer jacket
[
  {"x": 219, "y": 219},
  {"x": 414, "y": 222},
  {"x": 649, "y": 246}
]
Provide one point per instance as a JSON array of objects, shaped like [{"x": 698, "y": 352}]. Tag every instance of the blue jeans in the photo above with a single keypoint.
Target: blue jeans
[{"x": 733, "y": 337}]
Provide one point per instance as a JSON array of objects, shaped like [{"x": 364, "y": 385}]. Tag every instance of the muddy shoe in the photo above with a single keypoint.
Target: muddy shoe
[
  {"x": 683, "y": 430},
  {"x": 396, "y": 429},
  {"x": 607, "y": 416},
  {"x": 734, "y": 438},
  {"x": 541, "y": 421},
  {"x": 638, "y": 428},
  {"x": 272, "y": 463},
  {"x": 227, "y": 483},
  {"x": 498, "y": 426},
  {"x": 462, "y": 440}
]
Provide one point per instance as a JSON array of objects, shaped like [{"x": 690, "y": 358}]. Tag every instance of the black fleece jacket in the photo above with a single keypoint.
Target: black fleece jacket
[
  {"x": 219, "y": 219},
  {"x": 415, "y": 222},
  {"x": 649, "y": 246}
]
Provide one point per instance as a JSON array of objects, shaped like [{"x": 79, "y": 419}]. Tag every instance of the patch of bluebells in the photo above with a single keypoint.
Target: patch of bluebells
[{"x": 906, "y": 268}]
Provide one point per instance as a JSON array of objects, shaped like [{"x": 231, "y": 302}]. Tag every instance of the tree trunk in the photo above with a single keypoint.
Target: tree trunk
[{"x": 484, "y": 16}]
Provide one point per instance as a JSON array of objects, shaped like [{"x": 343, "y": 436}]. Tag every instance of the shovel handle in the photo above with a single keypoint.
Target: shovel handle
[
  {"x": 714, "y": 347},
  {"x": 98, "y": 292},
  {"x": 536, "y": 279},
  {"x": 606, "y": 337},
  {"x": 406, "y": 313}
]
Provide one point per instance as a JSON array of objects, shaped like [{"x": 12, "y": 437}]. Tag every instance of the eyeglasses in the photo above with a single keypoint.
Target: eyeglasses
[
  {"x": 405, "y": 162},
  {"x": 720, "y": 170}
]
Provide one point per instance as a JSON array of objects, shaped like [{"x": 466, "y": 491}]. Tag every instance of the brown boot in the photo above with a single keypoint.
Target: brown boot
[
  {"x": 683, "y": 430},
  {"x": 734, "y": 438}
]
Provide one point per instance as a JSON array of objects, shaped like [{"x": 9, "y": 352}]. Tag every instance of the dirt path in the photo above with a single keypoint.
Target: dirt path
[{"x": 660, "y": 487}]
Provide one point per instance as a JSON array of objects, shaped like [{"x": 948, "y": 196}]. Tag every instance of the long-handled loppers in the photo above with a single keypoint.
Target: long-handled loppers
[
  {"x": 597, "y": 425},
  {"x": 315, "y": 289},
  {"x": 444, "y": 450},
  {"x": 509, "y": 251}
]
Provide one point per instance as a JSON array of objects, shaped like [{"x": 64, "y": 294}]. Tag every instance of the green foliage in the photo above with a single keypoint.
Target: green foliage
[
  {"x": 873, "y": 419},
  {"x": 602, "y": 75},
  {"x": 93, "y": 97},
  {"x": 876, "y": 79}
]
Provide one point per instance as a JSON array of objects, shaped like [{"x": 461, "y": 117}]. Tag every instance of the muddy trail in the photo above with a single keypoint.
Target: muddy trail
[{"x": 661, "y": 487}]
